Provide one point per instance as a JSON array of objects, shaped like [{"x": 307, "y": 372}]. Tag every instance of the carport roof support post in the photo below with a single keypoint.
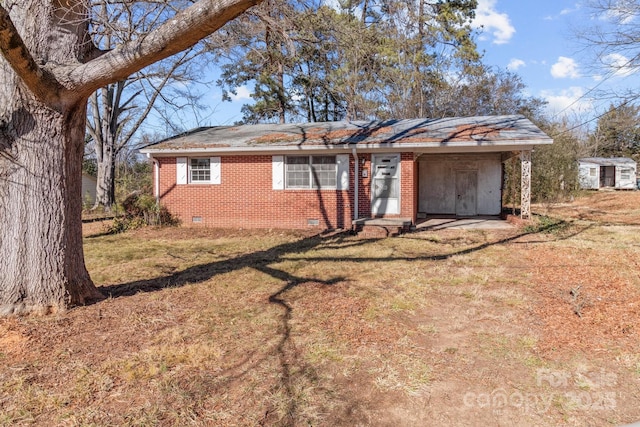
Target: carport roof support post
[{"x": 525, "y": 187}]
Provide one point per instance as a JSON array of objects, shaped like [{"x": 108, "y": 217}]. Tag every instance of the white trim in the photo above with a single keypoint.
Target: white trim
[
  {"x": 356, "y": 183},
  {"x": 156, "y": 180},
  {"x": 182, "y": 171},
  {"x": 277, "y": 172},
  {"x": 342, "y": 169},
  {"x": 190, "y": 171},
  {"x": 215, "y": 167},
  {"x": 311, "y": 178}
]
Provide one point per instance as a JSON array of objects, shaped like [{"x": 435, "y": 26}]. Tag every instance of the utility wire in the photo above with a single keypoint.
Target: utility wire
[
  {"x": 595, "y": 118},
  {"x": 611, "y": 74}
]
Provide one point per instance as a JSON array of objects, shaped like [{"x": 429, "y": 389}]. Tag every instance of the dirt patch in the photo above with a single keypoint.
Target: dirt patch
[{"x": 12, "y": 341}]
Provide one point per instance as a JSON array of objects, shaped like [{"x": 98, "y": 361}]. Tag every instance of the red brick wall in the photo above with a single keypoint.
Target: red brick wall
[
  {"x": 364, "y": 192},
  {"x": 408, "y": 187},
  {"x": 245, "y": 197}
]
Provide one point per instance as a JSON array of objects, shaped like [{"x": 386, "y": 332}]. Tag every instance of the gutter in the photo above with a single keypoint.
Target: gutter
[{"x": 356, "y": 186}]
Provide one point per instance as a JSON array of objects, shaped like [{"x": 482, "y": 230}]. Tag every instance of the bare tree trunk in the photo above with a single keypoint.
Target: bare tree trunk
[
  {"x": 47, "y": 72},
  {"x": 105, "y": 188},
  {"x": 40, "y": 210},
  {"x": 105, "y": 134},
  {"x": 282, "y": 100},
  {"x": 41, "y": 149}
]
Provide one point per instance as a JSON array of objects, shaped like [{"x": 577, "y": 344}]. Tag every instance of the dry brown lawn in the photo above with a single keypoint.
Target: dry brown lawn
[{"x": 539, "y": 325}]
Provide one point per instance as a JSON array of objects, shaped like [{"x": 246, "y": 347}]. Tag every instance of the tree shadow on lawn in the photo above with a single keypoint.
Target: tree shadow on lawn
[
  {"x": 293, "y": 369},
  {"x": 292, "y": 366},
  {"x": 261, "y": 260}
]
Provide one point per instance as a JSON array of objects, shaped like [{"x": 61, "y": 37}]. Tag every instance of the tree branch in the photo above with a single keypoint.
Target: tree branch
[
  {"x": 125, "y": 140},
  {"x": 182, "y": 31},
  {"x": 39, "y": 81}
]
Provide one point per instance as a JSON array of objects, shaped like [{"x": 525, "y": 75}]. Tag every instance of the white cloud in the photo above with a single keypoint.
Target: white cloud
[
  {"x": 515, "y": 63},
  {"x": 494, "y": 22},
  {"x": 563, "y": 12},
  {"x": 569, "y": 10},
  {"x": 567, "y": 101},
  {"x": 619, "y": 64},
  {"x": 565, "y": 68},
  {"x": 242, "y": 94}
]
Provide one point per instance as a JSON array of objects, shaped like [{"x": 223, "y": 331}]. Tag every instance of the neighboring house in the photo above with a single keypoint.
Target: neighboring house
[
  {"x": 329, "y": 174},
  {"x": 601, "y": 172},
  {"x": 89, "y": 185}
]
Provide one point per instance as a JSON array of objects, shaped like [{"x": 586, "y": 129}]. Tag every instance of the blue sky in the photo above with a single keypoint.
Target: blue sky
[
  {"x": 532, "y": 38},
  {"x": 536, "y": 39}
]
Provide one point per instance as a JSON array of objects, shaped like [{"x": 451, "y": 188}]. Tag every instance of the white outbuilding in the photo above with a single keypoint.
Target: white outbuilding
[
  {"x": 89, "y": 185},
  {"x": 601, "y": 172}
]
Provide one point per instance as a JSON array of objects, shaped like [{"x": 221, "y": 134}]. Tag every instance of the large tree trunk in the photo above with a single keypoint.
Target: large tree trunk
[
  {"x": 43, "y": 266},
  {"x": 41, "y": 146}
]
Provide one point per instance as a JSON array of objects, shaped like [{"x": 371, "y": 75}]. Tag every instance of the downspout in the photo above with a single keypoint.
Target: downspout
[
  {"x": 156, "y": 179},
  {"x": 356, "y": 182}
]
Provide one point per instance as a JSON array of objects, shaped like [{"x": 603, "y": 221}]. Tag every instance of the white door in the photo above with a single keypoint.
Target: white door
[
  {"x": 385, "y": 184},
  {"x": 466, "y": 193}
]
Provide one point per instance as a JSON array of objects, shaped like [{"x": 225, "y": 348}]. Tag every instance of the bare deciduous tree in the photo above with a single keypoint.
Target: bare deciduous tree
[
  {"x": 49, "y": 68},
  {"x": 118, "y": 110}
]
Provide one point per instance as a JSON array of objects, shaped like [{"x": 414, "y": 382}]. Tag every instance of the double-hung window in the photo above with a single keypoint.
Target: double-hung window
[
  {"x": 200, "y": 170},
  {"x": 310, "y": 172}
]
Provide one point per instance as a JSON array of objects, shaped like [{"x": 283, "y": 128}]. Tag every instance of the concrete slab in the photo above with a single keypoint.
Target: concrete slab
[{"x": 479, "y": 223}]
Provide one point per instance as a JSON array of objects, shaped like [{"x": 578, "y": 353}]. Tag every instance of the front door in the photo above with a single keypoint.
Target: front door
[
  {"x": 385, "y": 184},
  {"x": 466, "y": 193}
]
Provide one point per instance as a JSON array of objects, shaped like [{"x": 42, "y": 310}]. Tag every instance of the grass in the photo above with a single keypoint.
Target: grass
[{"x": 211, "y": 327}]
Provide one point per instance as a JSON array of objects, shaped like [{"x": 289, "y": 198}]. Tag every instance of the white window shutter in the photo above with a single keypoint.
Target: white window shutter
[
  {"x": 214, "y": 164},
  {"x": 277, "y": 167},
  {"x": 181, "y": 170},
  {"x": 342, "y": 166}
]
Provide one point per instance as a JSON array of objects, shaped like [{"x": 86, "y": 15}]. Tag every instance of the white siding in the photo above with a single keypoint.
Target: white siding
[
  {"x": 589, "y": 181},
  {"x": 629, "y": 183}
]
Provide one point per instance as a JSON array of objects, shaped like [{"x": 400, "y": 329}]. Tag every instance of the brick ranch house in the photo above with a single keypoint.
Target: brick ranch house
[{"x": 339, "y": 174}]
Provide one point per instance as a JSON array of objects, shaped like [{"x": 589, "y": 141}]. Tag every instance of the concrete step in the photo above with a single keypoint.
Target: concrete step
[{"x": 379, "y": 231}]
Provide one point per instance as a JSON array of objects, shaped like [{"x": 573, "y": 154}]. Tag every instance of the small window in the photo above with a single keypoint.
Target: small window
[
  {"x": 592, "y": 171},
  {"x": 625, "y": 173},
  {"x": 311, "y": 172},
  {"x": 200, "y": 170}
]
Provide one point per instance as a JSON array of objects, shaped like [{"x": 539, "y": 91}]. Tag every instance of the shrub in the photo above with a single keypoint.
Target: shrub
[{"x": 141, "y": 210}]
